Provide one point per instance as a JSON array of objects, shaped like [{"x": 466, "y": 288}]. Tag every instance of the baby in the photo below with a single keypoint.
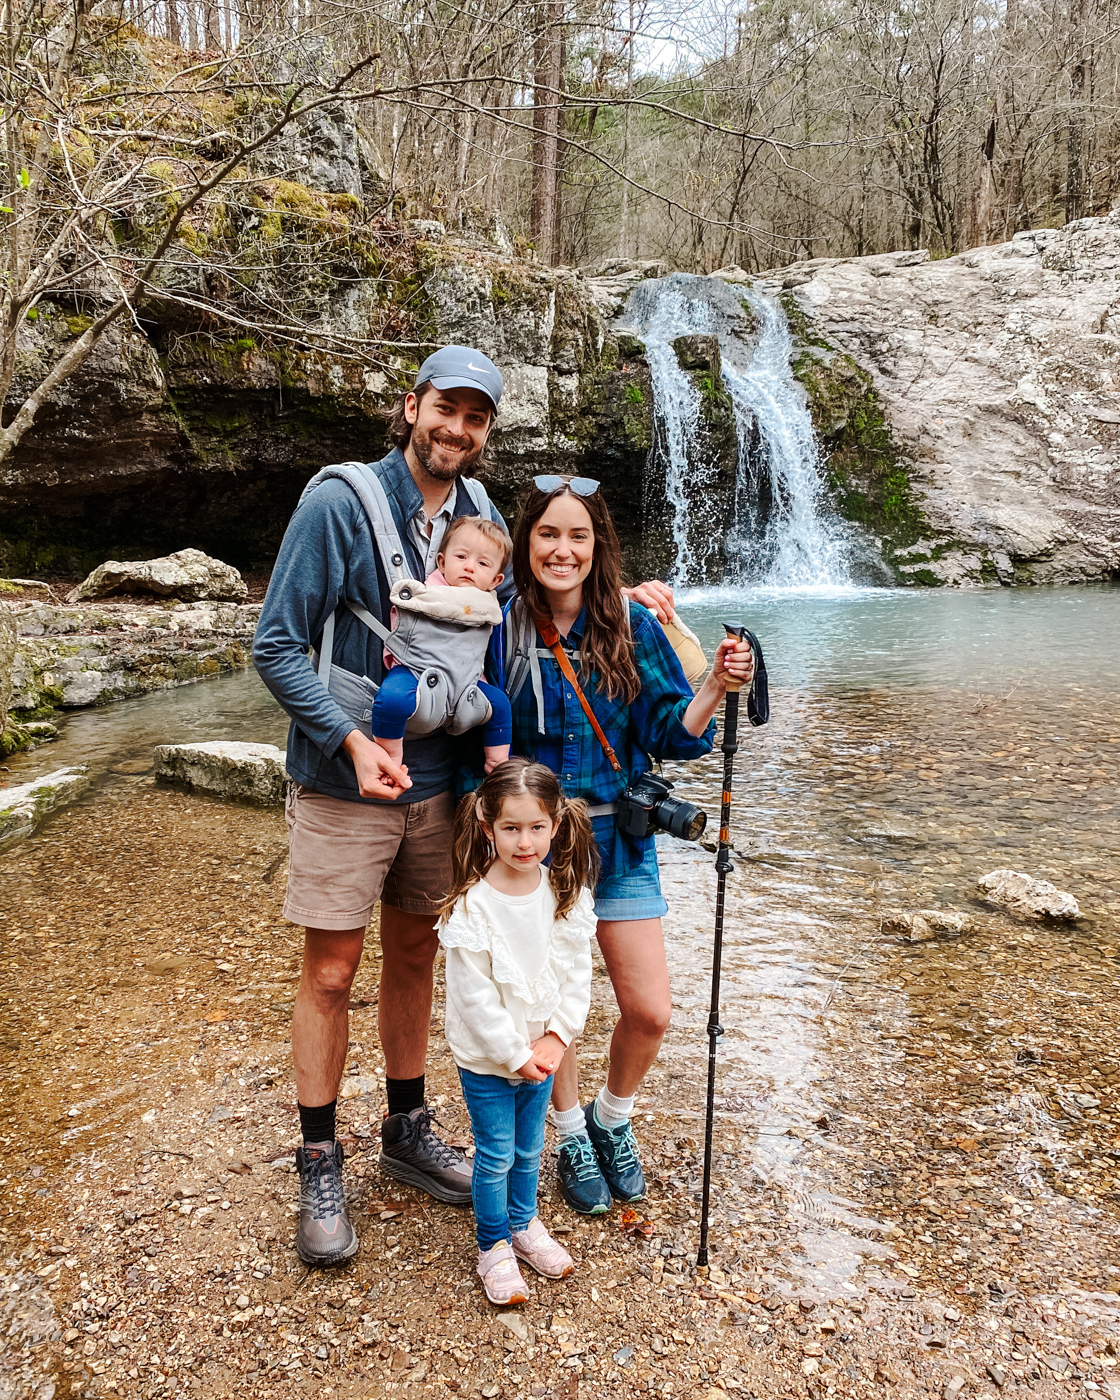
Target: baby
[{"x": 474, "y": 555}]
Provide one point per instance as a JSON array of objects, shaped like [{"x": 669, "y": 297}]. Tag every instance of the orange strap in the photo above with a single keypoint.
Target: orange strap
[{"x": 551, "y": 638}]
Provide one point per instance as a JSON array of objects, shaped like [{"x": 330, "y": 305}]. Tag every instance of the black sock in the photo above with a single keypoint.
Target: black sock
[
  {"x": 317, "y": 1124},
  {"x": 404, "y": 1094}
]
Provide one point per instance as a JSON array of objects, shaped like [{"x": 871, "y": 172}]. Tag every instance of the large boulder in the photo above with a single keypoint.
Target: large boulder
[
  {"x": 23, "y": 808},
  {"x": 188, "y": 574},
  {"x": 246, "y": 772}
]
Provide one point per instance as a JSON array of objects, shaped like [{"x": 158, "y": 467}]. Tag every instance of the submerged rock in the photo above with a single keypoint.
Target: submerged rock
[
  {"x": 927, "y": 924},
  {"x": 23, "y": 808},
  {"x": 1021, "y": 894},
  {"x": 249, "y": 772},
  {"x": 188, "y": 575}
]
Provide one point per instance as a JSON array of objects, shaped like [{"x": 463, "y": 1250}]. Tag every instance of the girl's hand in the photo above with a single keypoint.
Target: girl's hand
[
  {"x": 545, "y": 1058},
  {"x": 734, "y": 663}
]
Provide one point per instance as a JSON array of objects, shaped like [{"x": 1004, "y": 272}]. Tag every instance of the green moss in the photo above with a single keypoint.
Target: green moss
[
  {"x": 50, "y": 700},
  {"x": 867, "y": 474},
  {"x": 32, "y": 313},
  {"x": 13, "y": 739},
  {"x": 77, "y": 325},
  {"x": 634, "y": 394}
]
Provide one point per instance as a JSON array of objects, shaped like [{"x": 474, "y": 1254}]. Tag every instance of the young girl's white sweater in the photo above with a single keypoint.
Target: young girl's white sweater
[{"x": 514, "y": 972}]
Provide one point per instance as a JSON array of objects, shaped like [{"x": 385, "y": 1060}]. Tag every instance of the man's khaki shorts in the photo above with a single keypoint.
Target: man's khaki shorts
[{"x": 345, "y": 856}]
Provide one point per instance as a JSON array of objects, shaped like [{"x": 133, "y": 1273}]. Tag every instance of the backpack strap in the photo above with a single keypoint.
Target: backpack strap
[
  {"x": 367, "y": 486},
  {"x": 479, "y": 499}
]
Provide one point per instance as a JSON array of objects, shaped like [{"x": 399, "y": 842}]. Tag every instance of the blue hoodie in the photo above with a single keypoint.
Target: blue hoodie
[{"x": 328, "y": 556}]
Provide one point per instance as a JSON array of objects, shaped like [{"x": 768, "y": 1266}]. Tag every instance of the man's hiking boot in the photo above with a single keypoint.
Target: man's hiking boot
[
  {"x": 581, "y": 1181},
  {"x": 325, "y": 1235},
  {"x": 411, "y": 1151},
  {"x": 617, "y": 1152}
]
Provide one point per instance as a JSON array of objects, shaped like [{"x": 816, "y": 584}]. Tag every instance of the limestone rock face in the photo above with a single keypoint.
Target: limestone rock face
[
  {"x": 71, "y": 656},
  {"x": 188, "y": 575},
  {"x": 999, "y": 374},
  {"x": 23, "y": 808},
  {"x": 1038, "y": 899},
  {"x": 247, "y": 772}
]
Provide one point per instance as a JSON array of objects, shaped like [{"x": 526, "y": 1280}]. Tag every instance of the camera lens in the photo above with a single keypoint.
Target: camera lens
[{"x": 682, "y": 819}]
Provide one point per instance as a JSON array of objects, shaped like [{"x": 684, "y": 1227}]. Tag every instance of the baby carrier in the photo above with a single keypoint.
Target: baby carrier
[{"x": 441, "y": 634}]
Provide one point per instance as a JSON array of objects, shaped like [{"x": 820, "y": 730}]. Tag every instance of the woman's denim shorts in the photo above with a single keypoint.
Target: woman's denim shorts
[{"x": 632, "y": 892}]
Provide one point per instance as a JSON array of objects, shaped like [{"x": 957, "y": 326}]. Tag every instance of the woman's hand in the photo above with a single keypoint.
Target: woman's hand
[
  {"x": 734, "y": 663},
  {"x": 544, "y": 1059}
]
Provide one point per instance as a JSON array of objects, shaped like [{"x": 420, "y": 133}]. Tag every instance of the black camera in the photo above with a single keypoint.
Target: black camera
[{"x": 646, "y": 807}]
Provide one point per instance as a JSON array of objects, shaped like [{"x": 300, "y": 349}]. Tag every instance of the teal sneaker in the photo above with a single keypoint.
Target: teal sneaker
[
  {"x": 581, "y": 1181},
  {"x": 617, "y": 1152}
]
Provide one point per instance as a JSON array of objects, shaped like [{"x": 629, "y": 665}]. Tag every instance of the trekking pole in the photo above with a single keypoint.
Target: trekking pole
[{"x": 723, "y": 865}]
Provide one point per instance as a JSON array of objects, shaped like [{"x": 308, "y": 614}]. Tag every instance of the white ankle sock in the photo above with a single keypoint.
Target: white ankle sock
[
  {"x": 612, "y": 1111},
  {"x": 570, "y": 1122}
]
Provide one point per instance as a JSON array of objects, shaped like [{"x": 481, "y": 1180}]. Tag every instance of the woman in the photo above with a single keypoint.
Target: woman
[{"x": 567, "y": 570}]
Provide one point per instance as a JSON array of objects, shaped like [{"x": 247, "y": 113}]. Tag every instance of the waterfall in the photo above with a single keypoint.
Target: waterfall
[{"x": 781, "y": 532}]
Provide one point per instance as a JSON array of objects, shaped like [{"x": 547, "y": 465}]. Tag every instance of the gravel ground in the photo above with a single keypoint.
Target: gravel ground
[{"x": 933, "y": 1209}]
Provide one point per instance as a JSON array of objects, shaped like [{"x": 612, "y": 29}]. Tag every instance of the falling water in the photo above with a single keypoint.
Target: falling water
[{"x": 781, "y": 534}]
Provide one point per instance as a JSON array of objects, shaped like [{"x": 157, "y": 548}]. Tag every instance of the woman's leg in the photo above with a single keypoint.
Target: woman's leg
[
  {"x": 530, "y": 1109},
  {"x": 490, "y": 1103},
  {"x": 634, "y": 952}
]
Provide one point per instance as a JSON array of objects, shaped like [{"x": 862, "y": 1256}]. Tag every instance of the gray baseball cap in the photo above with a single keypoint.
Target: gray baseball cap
[{"x": 460, "y": 367}]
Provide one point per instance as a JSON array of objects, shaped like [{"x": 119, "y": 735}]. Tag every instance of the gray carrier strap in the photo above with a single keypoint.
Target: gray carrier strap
[
  {"x": 524, "y": 657},
  {"x": 604, "y": 809},
  {"x": 366, "y": 485}
]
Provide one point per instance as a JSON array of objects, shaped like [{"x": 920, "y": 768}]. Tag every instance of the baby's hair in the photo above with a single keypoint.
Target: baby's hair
[
  {"x": 489, "y": 529},
  {"x": 575, "y": 856}
]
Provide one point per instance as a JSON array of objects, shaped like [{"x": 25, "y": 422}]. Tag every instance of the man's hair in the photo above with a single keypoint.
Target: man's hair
[
  {"x": 489, "y": 529},
  {"x": 400, "y": 429}
]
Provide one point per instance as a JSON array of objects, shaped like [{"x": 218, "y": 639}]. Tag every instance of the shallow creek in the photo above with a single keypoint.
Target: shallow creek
[{"x": 918, "y": 1144}]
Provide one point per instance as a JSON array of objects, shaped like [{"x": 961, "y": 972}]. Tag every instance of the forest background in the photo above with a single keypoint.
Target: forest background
[{"x": 136, "y": 132}]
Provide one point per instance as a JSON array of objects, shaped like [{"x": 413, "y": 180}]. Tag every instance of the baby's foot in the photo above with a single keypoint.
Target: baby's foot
[
  {"x": 541, "y": 1252},
  {"x": 495, "y": 754}
]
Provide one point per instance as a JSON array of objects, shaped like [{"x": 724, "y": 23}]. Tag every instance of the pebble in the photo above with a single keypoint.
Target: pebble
[
  {"x": 242, "y": 1301},
  {"x": 490, "y": 1389},
  {"x": 518, "y": 1326},
  {"x": 624, "y": 1355}
]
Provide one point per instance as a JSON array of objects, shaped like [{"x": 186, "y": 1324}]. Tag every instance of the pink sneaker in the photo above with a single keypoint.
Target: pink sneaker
[
  {"x": 501, "y": 1278},
  {"x": 541, "y": 1252}
]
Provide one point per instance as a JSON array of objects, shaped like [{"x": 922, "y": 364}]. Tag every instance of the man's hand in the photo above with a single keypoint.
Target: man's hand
[
  {"x": 656, "y": 596},
  {"x": 378, "y": 775},
  {"x": 544, "y": 1059}
]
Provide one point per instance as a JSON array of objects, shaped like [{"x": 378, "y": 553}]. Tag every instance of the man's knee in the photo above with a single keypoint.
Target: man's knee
[
  {"x": 330, "y": 963},
  {"x": 408, "y": 941}
]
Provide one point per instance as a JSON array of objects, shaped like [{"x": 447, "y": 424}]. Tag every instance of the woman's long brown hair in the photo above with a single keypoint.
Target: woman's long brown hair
[
  {"x": 575, "y": 856},
  {"x": 607, "y": 647}
]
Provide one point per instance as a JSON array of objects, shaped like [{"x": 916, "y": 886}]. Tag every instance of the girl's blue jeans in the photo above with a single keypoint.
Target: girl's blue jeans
[{"x": 507, "y": 1121}]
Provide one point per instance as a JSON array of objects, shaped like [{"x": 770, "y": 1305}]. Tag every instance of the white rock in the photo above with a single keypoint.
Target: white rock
[
  {"x": 251, "y": 772},
  {"x": 188, "y": 574},
  {"x": 1024, "y": 895},
  {"x": 23, "y": 808},
  {"x": 926, "y": 924}
]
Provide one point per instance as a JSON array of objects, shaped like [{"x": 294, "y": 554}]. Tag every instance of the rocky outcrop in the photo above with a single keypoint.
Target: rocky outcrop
[
  {"x": 972, "y": 404},
  {"x": 1022, "y": 894},
  {"x": 73, "y": 656},
  {"x": 244, "y": 772},
  {"x": 188, "y": 575},
  {"x": 24, "y": 808}
]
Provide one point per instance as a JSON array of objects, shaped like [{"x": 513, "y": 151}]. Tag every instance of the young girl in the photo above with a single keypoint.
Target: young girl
[{"x": 518, "y": 944}]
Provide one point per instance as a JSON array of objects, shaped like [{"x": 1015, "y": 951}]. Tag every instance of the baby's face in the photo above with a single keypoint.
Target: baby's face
[{"x": 471, "y": 561}]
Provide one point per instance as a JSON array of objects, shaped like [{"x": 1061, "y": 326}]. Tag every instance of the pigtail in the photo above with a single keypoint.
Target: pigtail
[
  {"x": 471, "y": 852},
  {"x": 575, "y": 856}
]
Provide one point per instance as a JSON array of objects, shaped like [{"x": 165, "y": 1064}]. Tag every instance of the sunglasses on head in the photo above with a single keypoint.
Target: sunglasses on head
[{"x": 577, "y": 485}]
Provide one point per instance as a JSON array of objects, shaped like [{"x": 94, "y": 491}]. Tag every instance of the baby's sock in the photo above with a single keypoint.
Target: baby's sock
[
  {"x": 570, "y": 1123},
  {"x": 611, "y": 1111}
]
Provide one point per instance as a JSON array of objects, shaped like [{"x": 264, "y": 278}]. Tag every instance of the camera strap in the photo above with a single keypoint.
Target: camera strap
[{"x": 551, "y": 638}]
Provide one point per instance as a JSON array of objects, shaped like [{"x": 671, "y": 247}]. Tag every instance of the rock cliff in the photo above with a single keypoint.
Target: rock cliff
[{"x": 972, "y": 404}]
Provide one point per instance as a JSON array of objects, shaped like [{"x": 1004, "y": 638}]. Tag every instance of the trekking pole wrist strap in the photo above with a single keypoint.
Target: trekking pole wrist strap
[{"x": 551, "y": 638}]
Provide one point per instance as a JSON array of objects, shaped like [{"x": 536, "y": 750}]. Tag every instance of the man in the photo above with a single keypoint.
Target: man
[{"x": 363, "y": 828}]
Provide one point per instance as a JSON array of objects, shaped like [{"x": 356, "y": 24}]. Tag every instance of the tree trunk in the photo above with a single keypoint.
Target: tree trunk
[
  {"x": 1077, "y": 138},
  {"x": 548, "y": 76}
]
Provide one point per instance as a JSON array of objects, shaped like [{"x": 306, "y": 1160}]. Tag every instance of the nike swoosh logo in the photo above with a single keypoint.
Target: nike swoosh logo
[{"x": 477, "y": 368}]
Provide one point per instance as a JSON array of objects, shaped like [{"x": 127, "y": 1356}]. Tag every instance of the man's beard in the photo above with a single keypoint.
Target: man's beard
[{"x": 422, "y": 443}]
